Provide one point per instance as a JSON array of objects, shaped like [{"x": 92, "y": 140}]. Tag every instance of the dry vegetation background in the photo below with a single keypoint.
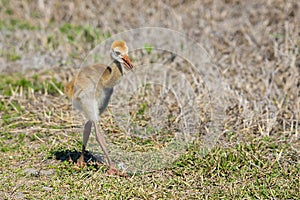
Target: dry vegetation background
[{"x": 255, "y": 44}]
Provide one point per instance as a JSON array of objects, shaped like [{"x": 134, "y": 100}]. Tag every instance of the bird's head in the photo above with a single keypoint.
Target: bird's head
[{"x": 119, "y": 52}]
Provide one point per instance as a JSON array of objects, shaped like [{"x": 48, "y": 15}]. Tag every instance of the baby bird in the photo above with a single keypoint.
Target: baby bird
[{"x": 90, "y": 91}]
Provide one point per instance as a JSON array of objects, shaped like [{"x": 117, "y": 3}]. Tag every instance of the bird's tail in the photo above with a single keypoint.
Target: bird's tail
[{"x": 69, "y": 88}]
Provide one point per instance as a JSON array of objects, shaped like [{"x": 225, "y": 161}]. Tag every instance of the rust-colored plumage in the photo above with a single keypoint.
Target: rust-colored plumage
[{"x": 69, "y": 88}]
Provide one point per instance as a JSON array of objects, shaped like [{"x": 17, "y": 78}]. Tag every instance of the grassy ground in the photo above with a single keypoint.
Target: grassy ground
[{"x": 254, "y": 45}]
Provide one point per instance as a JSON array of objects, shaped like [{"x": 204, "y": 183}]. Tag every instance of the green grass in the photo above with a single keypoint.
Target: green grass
[
  {"x": 84, "y": 33},
  {"x": 148, "y": 48},
  {"x": 15, "y": 24},
  {"x": 243, "y": 171},
  {"x": 13, "y": 83},
  {"x": 10, "y": 55}
]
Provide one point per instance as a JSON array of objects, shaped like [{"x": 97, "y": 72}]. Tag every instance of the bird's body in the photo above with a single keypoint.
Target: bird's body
[
  {"x": 91, "y": 89},
  {"x": 89, "y": 92}
]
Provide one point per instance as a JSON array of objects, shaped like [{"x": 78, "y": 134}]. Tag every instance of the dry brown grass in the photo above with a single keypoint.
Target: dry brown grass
[{"x": 255, "y": 46}]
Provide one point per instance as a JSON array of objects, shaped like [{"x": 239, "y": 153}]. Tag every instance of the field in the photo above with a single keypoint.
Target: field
[{"x": 222, "y": 75}]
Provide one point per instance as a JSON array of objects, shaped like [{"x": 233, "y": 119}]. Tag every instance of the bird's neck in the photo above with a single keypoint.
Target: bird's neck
[{"x": 112, "y": 76}]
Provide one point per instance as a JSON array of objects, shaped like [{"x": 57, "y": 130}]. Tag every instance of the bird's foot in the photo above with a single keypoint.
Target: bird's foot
[
  {"x": 114, "y": 171},
  {"x": 80, "y": 162}
]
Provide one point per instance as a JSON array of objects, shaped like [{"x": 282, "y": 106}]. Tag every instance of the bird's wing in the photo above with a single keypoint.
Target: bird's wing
[
  {"x": 87, "y": 80},
  {"x": 85, "y": 89}
]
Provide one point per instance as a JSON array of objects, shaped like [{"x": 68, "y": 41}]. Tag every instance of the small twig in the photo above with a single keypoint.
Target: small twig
[{"x": 59, "y": 91}]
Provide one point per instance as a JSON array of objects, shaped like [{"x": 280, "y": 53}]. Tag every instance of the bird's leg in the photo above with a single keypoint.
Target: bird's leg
[
  {"x": 100, "y": 138},
  {"x": 101, "y": 141},
  {"x": 86, "y": 135}
]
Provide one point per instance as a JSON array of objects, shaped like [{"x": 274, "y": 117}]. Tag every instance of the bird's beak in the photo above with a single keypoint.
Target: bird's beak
[{"x": 127, "y": 62}]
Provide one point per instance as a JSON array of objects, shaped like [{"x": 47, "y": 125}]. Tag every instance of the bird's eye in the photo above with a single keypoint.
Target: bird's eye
[{"x": 117, "y": 53}]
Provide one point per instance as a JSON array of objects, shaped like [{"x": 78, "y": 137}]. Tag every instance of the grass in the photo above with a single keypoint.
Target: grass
[
  {"x": 15, "y": 24},
  {"x": 148, "y": 48},
  {"x": 87, "y": 33},
  {"x": 16, "y": 83},
  {"x": 10, "y": 55},
  {"x": 256, "y": 51},
  {"x": 35, "y": 164},
  {"x": 238, "y": 172}
]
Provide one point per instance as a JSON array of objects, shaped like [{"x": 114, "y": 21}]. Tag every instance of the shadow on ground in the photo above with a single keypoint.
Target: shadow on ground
[{"x": 71, "y": 156}]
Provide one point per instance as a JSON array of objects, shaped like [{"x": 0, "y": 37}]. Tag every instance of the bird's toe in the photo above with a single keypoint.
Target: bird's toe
[
  {"x": 114, "y": 171},
  {"x": 80, "y": 162}
]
